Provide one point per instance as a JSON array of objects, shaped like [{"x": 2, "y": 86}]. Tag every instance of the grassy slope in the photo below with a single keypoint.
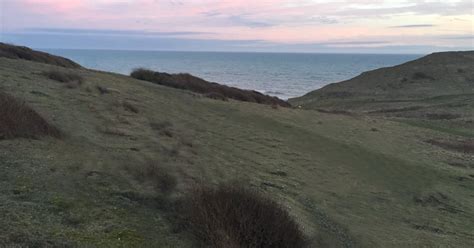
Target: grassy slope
[
  {"x": 436, "y": 92},
  {"x": 347, "y": 185}
]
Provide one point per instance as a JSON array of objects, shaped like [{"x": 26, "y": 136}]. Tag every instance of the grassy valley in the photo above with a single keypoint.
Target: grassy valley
[{"x": 346, "y": 166}]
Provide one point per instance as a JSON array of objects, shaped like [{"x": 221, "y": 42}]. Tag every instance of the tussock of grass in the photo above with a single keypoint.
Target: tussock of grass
[
  {"x": 233, "y": 216},
  {"x": 19, "y": 52},
  {"x": 64, "y": 77},
  {"x": 18, "y": 120},
  {"x": 130, "y": 107},
  {"x": 163, "y": 128},
  {"x": 212, "y": 90}
]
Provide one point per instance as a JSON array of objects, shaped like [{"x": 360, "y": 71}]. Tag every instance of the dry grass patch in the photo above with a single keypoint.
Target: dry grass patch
[
  {"x": 18, "y": 120},
  {"x": 163, "y": 128},
  {"x": 130, "y": 107}
]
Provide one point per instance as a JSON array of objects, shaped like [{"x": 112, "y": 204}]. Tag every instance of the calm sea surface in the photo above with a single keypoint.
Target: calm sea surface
[{"x": 284, "y": 75}]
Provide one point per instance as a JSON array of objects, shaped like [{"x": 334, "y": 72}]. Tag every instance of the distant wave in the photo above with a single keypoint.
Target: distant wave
[{"x": 278, "y": 93}]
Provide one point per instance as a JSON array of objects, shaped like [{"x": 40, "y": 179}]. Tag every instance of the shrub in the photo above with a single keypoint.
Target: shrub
[
  {"x": 20, "y": 121},
  {"x": 421, "y": 75},
  {"x": 233, "y": 216},
  {"x": 189, "y": 82},
  {"x": 19, "y": 52},
  {"x": 64, "y": 77}
]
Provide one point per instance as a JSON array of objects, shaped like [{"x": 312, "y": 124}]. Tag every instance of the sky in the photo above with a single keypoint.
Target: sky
[{"x": 357, "y": 26}]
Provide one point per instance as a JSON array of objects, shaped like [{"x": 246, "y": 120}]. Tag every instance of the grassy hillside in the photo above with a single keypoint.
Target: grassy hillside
[
  {"x": 348, "y": 180},
  {"x": 436, "y": 91}
]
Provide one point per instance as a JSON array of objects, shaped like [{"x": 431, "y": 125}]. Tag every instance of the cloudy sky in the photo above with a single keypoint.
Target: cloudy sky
[{"x": 402, "y": 26}]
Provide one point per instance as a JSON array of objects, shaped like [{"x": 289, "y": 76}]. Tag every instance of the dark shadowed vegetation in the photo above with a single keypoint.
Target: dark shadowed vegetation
[
  {"x": 64, "y": 77},
  {"x": 334, "y": 111},
  {"x": 130, "y": 107},
  {"x": 233, "y": 216},
  {"x": 154, "y": 174},
  {"x": 421, "y": 75},
  {"x": 212, "y": 90},
  {"x": 442, "y": 116},
  {"x": 18, "y": 120},
  {"x": 19, "y": 52},
  {"x": 216, "y": 96},
  {"x": 464, "y": 146}
]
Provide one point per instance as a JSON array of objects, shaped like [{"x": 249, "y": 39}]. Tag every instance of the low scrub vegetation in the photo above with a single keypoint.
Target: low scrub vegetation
[
  {"x": 19, "y": 52},
  {"x": 421, "y": 76},
  {"x": 233, "y": 216},
  {"x": 464, "y": 146},
  {"x": 334, "y": 111},
  {"x": 18, "y": 120},
  {"x": 164, "y": 128},
  {"x": 212, "y": 90},
  {"x": 442, "y": 116},
  {"x": 64, "y": 77},
  {"x": 154, "y": 174}
]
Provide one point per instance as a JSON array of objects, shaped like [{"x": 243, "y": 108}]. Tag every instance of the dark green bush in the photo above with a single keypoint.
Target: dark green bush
[
  {"x": 233, "y": 216},
  {"x": 216, "y": 91}
]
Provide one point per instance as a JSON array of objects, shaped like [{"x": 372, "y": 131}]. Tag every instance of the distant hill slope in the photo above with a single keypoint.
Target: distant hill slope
[
  {"x": 19, "y": 52},
  {"x": 435, "y": 91},
  {"x": 447, "y": 74}
]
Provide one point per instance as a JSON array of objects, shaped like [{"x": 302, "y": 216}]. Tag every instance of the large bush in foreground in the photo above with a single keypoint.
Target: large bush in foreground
[
  {"x": 18, "y": 120},
  {"x": 233, "y": 216}
]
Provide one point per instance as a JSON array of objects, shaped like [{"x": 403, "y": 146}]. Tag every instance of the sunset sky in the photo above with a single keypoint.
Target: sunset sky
[{"x": 401, "y": 26}]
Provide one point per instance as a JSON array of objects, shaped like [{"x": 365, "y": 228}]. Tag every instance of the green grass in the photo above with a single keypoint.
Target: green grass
[{"x": 346, "y": 185}]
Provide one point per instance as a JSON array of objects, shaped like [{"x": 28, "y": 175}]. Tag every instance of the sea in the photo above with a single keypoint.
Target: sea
[{"x": 285, "y": 75}]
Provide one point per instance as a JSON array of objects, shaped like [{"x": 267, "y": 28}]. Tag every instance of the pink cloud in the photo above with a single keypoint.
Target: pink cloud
[
  {"x": 270, "y": 20},
  {"x": 52, "y": 5}
]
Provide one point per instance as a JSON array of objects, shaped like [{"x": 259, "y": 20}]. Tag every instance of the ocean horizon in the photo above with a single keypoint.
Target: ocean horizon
[{"x": 284, "y": 75}]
